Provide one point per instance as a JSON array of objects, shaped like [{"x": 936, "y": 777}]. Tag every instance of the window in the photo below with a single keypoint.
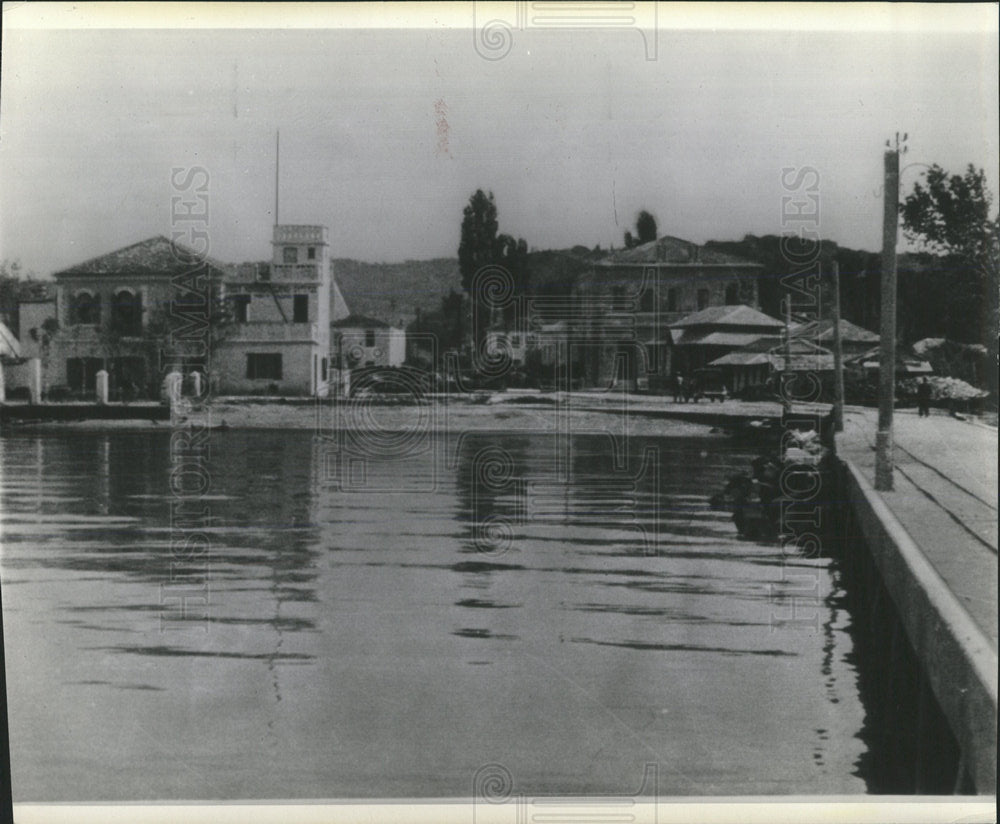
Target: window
[
  {"x": 702, "y": 299},
  {"x": 264, "y": 366},
  {"x": 85, "y": 308},
  {"x": 241, "y": 308},
  {"x": 646, "y": 300},
  {"x": 369, "y": 337},
  {"x": 672, "y": 295},
  {"x": 732, "y": 294},
  {"x": 126, "y": 313},
  {"x": 263, "y": 272},
  {"x": 324, "y": 368},
  {"x": 290, "y": 254},
  {"x": 515, "y": 340},
  {"x": 311, "y": 253},
  {"x": 300, "y": 309},
  {"x": 81, "y": 374}
]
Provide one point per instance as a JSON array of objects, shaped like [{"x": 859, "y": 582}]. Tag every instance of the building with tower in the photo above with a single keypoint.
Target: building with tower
[{"x": 279, "y": 341}]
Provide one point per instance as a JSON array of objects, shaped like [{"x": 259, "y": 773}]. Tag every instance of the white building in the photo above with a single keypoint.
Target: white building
[
  {"x": 359, "y": 341},
  {"x": 280, "y": 340}
]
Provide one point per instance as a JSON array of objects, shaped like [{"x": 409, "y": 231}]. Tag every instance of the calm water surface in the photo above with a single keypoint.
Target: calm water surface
[{"x": 385, "y": 627}]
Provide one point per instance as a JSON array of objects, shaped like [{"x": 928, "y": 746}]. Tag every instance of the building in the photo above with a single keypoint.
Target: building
[
  {"x": 628, "y": 301},
  {"x": 279, "y": 340},
  {"x": 754, "y": 369},
  {"x": 359, "y": 341},
  {"x": 703, "y": 337},
  {"x": 114, "y": 313},
  {"x": 854, "y": 340}
]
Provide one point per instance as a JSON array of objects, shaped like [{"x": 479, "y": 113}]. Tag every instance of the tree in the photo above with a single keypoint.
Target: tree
[
  {"x": 479, "y": 236},
  {"x": 950, "y": 216},
  {"x": 481, "y": 246},
  {"x": 512, "y": 255},
  {"x": 645, "y": 227}
]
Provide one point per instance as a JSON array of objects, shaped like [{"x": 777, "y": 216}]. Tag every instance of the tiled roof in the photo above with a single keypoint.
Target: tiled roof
[
  {"x": 673, "y": 250},
  {"x": 155, "y": 256},
  {"x": 823, "y": 330},
  {"x": 739, "y": 315},
  {"x": 710, "y": 338},
  {"x": 360, "y": 322}
]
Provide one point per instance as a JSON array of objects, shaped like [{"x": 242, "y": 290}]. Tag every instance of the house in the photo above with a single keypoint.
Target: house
[
  {"x": 627, "y": 303},
  {"x": 704, "y": 336},
  {"x": 279, "y": 341},
  {"x": 854, "y": 340},
  {"x": 360, "y": 341},
  {"x": 755, "y": 366},
  {"x": 112, "y": 311},
  {"x": 867, "y": 364}
]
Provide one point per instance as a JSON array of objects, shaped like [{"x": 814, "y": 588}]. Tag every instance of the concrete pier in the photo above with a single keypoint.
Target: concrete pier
[{"x": 933, "y": 540}]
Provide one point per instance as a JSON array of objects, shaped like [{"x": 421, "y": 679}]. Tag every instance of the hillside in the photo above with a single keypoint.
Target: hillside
[{"x": 393, "y": 291}]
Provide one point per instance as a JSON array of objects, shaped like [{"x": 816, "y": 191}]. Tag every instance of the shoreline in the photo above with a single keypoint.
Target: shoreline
[{"x": 493, "y": 414}]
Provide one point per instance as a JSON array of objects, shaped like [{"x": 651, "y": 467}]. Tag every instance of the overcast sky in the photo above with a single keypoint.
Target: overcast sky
[{"x": 386, "y": 133}]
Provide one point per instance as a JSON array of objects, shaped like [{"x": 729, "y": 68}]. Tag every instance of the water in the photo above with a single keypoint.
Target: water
[{"x": 384, "y": 628}]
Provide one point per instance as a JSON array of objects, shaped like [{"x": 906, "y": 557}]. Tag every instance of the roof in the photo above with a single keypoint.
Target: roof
[
  {"x": 770, "y": 349},
  {"x": 360, "y": 322},
  {"x": 155, "y": 256},
  {"x": 672, "y": 250},
  {"x": 732, "y": 339},
  {"x": 738, "y": 315},
  {"x": 742, "y": 357},
  {"x": 905, "y": 364},
  {"x": 823, "y": 330},
  {"x": 9, "y": 344},
  {"x": 808, "y": 362}
]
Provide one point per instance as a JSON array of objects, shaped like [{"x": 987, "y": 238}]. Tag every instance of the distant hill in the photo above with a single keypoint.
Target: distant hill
[{"x": 393, "y": 291}]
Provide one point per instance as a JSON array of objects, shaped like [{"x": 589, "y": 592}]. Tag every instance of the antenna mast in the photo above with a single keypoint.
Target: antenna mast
[{"x": 277, "y": 172}]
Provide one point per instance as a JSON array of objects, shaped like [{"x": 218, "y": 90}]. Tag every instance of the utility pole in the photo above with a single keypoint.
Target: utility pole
[
  {"x": 887, "y": 354},
  {"x": 838, "y": 355},
  {"x": 277, "y": 172},
  {"x": 786, "y": 371}
]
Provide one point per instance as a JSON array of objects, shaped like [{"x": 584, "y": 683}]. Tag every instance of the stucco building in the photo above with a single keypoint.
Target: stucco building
[
  {"x": 114, "y": 312},
  {"x": 359, "y": 341},
  {"x": 279, "y": 338},
  {"x": 628, "y": 301}
]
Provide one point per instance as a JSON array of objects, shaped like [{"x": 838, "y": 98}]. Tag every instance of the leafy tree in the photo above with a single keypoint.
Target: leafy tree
[
  {"x": 481, "y": 246},
  {"x": 645, "y": 227},
  {"x": 629, "y": 240},
  {"x": 950, "y": 216},
  {"x": 479, "y": 236},
  {"x": 512, "y": 255}
]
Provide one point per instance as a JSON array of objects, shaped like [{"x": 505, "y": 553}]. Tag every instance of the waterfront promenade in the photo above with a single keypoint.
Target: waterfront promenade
[
  {"x": 945, "y": 497},
  {"x": 933, "y": 539}
]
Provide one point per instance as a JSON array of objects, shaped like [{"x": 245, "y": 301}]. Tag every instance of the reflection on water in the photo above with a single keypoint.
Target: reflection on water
[{"x": 572, "y": 610}]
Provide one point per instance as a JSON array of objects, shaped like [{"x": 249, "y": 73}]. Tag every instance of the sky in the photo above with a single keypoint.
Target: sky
[{"x": 386, "y": 132}]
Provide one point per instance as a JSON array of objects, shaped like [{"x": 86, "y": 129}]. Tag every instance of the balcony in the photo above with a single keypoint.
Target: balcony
[
  {"x": 300, "y": 234},
  {"x": 276, "y": 332},
  {"x": 295, "y": 272}
]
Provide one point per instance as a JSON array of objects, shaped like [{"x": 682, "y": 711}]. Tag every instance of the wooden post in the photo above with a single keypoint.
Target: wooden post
[
  {"x": 838, "y": 355},
  {"x": 887, "y": 355},
  {"x": 786, "y": 403}
]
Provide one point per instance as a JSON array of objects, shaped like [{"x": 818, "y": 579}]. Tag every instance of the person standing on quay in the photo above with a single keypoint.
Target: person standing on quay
[{"x": 923, "y": 398}]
